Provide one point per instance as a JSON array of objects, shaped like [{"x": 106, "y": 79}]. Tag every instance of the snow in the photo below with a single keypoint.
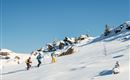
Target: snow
[
  {"x": 5, "y": 50},
  {"x": 128, "y": 22},
  {"x": 88, "y": 62},
  {"x": 11, "y": 53}
]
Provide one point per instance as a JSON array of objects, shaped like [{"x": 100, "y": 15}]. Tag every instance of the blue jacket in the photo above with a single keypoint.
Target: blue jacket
[{"x": 39, "y": 57}]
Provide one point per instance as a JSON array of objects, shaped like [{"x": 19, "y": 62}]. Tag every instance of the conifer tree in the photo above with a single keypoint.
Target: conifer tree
[{"x": 107, "y": 30}]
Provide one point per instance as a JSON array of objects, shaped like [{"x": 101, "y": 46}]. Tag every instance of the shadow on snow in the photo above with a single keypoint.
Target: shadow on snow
[
  {"x": 16, "y": 71},
  {"x": 105, "y": 73}
]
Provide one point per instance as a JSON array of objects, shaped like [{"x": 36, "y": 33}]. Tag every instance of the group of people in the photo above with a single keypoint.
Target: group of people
[{"x": 39, "y": 58}]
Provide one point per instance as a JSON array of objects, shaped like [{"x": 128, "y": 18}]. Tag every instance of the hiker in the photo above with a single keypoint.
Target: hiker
[
  {"x": 117, "y": 64},
  {"x": 116, "y": 69},
  {"x": 28, "y": 63},
  {"x": 53, "y": 59},
  {"x": 39, "y": 57}
]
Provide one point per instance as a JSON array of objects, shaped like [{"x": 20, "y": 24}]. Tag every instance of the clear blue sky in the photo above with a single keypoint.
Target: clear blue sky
[{"x": 29, "y": 24}]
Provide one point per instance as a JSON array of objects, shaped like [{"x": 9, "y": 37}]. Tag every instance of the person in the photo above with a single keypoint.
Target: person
[
  {"x": 28, "y": 63},
  {"x": 117, "y": 64},
  {"x": 53, "y": 59},
  {"x": 39, "y": 57},
  {"x": 116, "y": 69}
]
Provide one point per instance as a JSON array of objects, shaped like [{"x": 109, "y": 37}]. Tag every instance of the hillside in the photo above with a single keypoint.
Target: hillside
[{"x": 90, "y": 61}]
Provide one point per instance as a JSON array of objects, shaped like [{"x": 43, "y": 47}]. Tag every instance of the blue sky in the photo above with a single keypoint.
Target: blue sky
[{"x": 30, "y": 24}]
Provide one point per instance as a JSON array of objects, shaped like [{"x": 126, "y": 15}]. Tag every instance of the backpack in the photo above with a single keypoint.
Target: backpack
[{"x": 26, "y": 61}]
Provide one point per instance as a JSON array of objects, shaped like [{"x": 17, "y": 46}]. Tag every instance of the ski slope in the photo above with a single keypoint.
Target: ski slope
[{"x": 92, "y": 61}]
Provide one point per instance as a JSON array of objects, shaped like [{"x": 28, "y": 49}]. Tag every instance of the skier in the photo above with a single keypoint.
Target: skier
[
  {"x": 53, "y": 57},
  {"x": 116, "y": 69},
  {"x": 39, "y": 57},
  {"x": 28, "y": 63}
]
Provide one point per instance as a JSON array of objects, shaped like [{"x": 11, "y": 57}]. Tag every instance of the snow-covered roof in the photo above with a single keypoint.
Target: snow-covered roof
[
  {"x": 62, "y": 41},
  {"x": 71, "y": 39},
  {"x": 5, "y": 50},
  {"x": 58, "y": 42},
  {"x": 49, "y": 44},
  {"x": 83, "y": 36}
]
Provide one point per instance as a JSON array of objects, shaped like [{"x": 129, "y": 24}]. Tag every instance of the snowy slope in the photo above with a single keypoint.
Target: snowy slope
[
  {"x": 122, "y": 29},
  {"x": 88, "y": 63},
  {"x": 93, "y": 59}
]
